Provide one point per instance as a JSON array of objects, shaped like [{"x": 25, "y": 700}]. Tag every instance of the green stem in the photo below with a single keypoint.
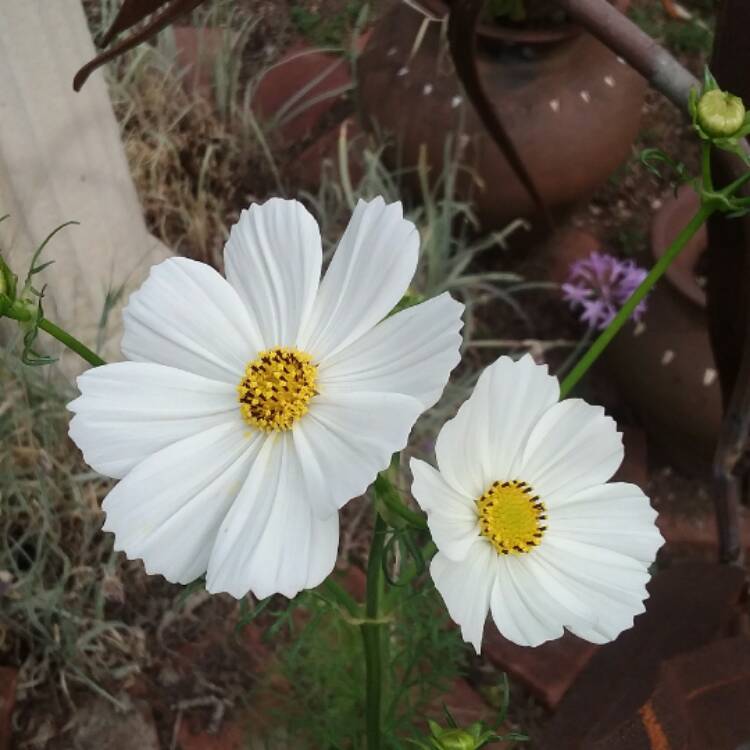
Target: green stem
[
  {"x": 572, "y": 358},
  {"x": 71, "y": 342},
  {"x": 372, "y": 639},
  {"x": 392, "y": 501},
  {"x": 339, "y": 595},
  {"x": 707, "y": 179},
  {"x": 627, "y": 309}
]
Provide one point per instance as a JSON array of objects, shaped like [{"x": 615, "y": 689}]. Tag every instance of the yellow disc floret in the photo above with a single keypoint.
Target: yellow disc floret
[
  {"x": 512, "y": 517},
  {"x": 276, "y": 388}
]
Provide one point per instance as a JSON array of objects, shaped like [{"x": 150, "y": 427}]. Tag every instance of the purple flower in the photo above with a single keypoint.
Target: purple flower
[{"x": 599, "y": 285}]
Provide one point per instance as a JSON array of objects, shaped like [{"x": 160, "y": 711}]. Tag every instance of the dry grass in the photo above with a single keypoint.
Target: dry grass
[{"x": 58, "y": 572}]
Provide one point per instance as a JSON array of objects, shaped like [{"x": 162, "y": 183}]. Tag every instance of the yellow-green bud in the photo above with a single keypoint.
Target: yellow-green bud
[
  {"x": 720, "y": 114},
  {"x": 456, "y": 739}
]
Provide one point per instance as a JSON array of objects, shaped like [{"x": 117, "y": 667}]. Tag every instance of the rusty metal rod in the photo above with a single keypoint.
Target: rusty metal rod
[{"x": 611, "y": 27}]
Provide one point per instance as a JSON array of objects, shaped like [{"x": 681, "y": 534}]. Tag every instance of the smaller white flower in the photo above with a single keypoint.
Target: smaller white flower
[{"x": 527, "y": 524}]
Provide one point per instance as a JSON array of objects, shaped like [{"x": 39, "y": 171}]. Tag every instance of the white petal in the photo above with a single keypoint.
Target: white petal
[
  {"x": 573, "y": 446},
  {"x": 168, "y": 509},
  {"x": 273, "y": 259},
  {"x": 187, "y": 316},
  {"x": 452, "y": 517},
  {"x": 571, "y": 609},
  {"x": 270, "y": 541},
  {"x": 412, "y": 352},
  {"x": 369, "y": 273},
  {"x": 465, "y": 587},
  {"x": 128, "y": 411},
  {"x": 344, "y": 441},
  {"x": 485, "y": 440},
  {"x": 614, "y": 516},
  {"x": 613, "y": 585},
  {"x": 518, "y": 609}
]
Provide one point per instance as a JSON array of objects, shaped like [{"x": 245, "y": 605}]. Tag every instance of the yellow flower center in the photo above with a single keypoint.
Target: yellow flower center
[
  {"x": 512, "y": 517},
  {"x": 276, "y": 388}
]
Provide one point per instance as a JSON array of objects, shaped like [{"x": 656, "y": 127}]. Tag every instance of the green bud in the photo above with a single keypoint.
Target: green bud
[
  {"x": 720, "y": 114},
  {"x": 456, "y": 739}
]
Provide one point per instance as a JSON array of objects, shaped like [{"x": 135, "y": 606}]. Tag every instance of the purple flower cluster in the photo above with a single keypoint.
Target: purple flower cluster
[{"x": 600, "y": 285}]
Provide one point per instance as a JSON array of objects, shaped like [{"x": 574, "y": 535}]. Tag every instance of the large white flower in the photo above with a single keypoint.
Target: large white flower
[
  {"x": 526, "y": 525},
  {"x": 254, "y": 407}
]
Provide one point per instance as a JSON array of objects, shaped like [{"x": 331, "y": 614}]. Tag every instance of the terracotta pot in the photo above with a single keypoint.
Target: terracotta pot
[
  {"x": 494, "y": 33},
  {"x": 668, "y": 372},
  {"x": 571, "y": 108},
  {"x": 664, "y": 369},
  {"x": 671, "y": 218}
]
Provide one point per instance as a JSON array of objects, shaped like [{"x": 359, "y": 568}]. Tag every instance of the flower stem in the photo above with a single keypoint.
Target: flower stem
[
  {"x": 390, "y": 498},
  {"x": 373, "y": 639},
  {"x": 22, "y": 314},
  {"x": 707, "y": 179},
  {"x": 628, "y": 308},
  {"x": 71, "y": 342},
  {"x": 579, "y": 348}
]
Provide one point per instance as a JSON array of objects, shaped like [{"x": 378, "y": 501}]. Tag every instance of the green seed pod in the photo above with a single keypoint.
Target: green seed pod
[{"x": 720, "y": 114}]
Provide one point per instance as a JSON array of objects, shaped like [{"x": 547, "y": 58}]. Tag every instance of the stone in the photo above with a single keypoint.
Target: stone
[{"x": 547, "y": 671}]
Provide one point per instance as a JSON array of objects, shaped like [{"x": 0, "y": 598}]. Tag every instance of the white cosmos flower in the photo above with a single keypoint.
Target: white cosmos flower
[
  {"x": 253, "y": 407},
  {"x": 525, "y": 521}
]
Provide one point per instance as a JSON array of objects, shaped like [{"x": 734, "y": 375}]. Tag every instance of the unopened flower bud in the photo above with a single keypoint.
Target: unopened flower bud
[
  {"x": 456, "y": 739},
  {"x": 720, "y": 114}
]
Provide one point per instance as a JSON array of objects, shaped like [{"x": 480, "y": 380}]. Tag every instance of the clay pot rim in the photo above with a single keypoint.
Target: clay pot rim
[{"x": 509, "y": 34}]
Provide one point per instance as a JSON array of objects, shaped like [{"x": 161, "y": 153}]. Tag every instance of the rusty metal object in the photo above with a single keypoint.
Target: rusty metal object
[
  {"x": 463, "y": 19},
  {"x": 163, "y": 12},
  {"x": 640, "y": 51},
  {"x": 552, "y": 107}
]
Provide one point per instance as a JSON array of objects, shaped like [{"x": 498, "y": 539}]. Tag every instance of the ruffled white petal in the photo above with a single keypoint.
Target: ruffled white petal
[
  {"x": 369, "y": 273},
  {"x": 344, "y": 441},
  {"x": 615, "y": 516},
  {"x": 187, "y": 316},
  {"x": 612, "y": 584},
  {"x": 168, "y": 509},
  {"x": 128, "y": 411},
  {"x": 270, "y": 541},
  {"x": 273, "y": 259},
  {"x": 465, "y": 587},
  {"x": 485, "y": 440},
  {"x": 572, "y": 447},
  {"x": 412, "y": 352},
  {"x": 451, "y": 516},
  {"x": 520, "y": 612}
]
